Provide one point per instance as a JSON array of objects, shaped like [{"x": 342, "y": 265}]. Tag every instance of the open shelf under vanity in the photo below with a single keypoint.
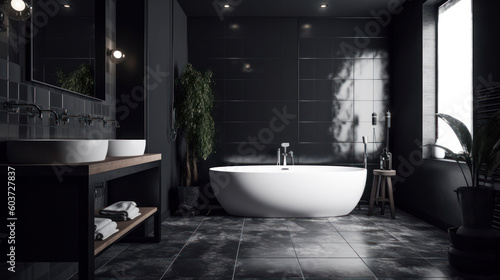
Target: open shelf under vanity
[
  {"x": 123, "y": 228},
  {"x": 55, "y": 207}
]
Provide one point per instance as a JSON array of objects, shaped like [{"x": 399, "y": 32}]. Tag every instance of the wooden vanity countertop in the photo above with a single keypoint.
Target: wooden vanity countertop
[
  {"x": 109, "y": 164},
  {"x": 112, "y": 163}
]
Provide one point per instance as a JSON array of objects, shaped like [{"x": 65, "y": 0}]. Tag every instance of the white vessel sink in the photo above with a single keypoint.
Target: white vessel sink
[
  {"x": 56, "y": 151},
  {"x": 126, "y": 147}
]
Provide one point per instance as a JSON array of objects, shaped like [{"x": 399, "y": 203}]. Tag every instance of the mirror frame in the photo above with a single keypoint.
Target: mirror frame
[{"x": 99, "y": 55}]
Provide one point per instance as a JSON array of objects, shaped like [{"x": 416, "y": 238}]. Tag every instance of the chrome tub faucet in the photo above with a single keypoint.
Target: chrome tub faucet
[{"x": 285, "y": 154}]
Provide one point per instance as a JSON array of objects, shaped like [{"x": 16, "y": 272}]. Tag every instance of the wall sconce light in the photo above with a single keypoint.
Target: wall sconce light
[
  {"x": 16, "y": 9},
  {"x": 116, "y": 55}
]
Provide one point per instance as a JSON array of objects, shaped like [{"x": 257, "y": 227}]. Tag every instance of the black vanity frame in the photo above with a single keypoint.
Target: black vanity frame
[{"x": 55, "y": 207}]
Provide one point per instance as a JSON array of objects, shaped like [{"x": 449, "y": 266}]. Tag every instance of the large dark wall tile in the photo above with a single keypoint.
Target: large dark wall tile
[
  {"x": 17, "y": 89},
  {"x": 339, "y": 27},
  {"x": 255, "y": 66},
  {"x": 343, "y": 69},
  {"x": 312, "y": 82}
]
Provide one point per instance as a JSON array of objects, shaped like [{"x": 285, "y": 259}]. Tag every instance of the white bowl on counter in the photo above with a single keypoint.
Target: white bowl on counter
[
  {"x": 56, "y": 151},
  {"x": 126, "y": 147}
]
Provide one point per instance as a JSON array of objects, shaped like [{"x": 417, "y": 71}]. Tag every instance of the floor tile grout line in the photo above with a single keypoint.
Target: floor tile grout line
[
  {"x": 111, "y": 258},
  {"x": 295, "y": 251},
  {"x": 238, "y": 250},
  {"x": 373, "y": 273},
  {"x": 96, "y": 269},
  {"x": 187, "y": 241},
  {"x": 361, "y": 221},
  {"x": 435, "y": 266},
  {"x": 333, "y": 225},
  {"x": 404, "y": 244}
]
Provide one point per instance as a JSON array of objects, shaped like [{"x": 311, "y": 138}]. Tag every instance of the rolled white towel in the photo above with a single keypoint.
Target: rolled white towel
[
  {"x": 106, "y": 231},
  {"x": 133, "y": 213},
  {"x": 119, "y": 207},
  {"x": 101, "y": 222}
]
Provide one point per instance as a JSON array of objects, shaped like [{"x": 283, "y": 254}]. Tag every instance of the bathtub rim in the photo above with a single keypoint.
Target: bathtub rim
[{"x": 311, "y": 169}]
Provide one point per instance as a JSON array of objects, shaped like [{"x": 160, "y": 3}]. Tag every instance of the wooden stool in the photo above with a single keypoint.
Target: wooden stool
[{"x": 380, "y": 177}]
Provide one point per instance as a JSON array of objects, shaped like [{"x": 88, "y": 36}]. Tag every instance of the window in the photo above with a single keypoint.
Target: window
[{"x": 454, "y": 50}]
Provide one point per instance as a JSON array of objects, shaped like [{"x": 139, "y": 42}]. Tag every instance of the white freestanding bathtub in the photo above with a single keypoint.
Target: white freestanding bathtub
[{"x": 288, "y": 191}]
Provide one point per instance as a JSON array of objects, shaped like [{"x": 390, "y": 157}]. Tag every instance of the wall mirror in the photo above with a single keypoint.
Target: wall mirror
[{"x": 68, "y": 45}]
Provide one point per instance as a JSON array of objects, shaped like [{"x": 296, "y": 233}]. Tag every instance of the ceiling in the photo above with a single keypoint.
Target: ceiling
[{"x": 283, "y": 8}]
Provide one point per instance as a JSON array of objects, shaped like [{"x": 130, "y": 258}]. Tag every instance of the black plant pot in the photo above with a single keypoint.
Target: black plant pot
[
  {"x": 477, "y": 212},
  {"x": 475, "y": 245},
  {"x": 188, "y": 200},
  {"x": 472, "y": 253},
  {"x": 473, "y": 262}
]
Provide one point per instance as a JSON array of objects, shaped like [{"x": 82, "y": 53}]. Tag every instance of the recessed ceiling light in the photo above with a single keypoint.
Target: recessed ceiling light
[
  {"x": 66, "y": 6},
  {"x": 323, "y": 5},
  {"x": 227, "y": 6}
]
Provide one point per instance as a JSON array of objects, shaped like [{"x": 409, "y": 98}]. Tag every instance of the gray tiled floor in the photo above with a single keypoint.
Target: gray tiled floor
[{"x": 219, "y": 246}]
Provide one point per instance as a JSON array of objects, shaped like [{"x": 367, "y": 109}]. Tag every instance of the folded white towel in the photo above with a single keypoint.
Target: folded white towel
[
  {"x": 106, "y": 231},
  {"x": 115, "y": 218},
  {"x": 99, "y": 223},
  {"x": 133, "y": 213},
  {"x": 119, "y": 207}
]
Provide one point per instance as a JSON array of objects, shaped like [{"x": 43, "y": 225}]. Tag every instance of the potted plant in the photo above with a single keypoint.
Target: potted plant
[
  {"x": 194, "y": 107},
  {"x": 475, "y": 243}
]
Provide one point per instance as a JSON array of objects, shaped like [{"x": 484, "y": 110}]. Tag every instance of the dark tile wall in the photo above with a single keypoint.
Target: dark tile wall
[
  {"x": 255, "y": 69},
  {"x": 15, "y": 88},
  {"x": 343, "y": 79},
  {"x": 311, "y": 82}
]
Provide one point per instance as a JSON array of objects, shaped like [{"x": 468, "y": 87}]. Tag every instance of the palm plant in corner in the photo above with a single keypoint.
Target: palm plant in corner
[
  {"x": 194, "y": 107},
  {"x": 482, "y": 156},
  {"x": 475, "y": 244}
]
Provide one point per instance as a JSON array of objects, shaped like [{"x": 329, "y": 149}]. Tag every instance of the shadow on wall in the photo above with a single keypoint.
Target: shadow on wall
[
  {"x": 294, "y": 83},
  {"x": 343, "y": 106}
]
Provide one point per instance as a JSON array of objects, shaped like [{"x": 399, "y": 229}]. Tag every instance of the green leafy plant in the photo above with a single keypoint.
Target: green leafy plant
[
  {"x": 481, "y": 152},
  {"x": 80, "y": 80},
  {"x": 194, "y": 107}
]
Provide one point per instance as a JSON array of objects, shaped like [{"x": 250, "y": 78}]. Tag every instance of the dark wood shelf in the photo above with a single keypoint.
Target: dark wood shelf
[
  {"x": 113, "y": 163},
  {"x": 93, "y": 168},
  {"x": 124, "y": 227}
]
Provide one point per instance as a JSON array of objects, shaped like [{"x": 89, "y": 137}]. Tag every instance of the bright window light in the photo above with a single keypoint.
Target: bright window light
[{"x": 454, "y": 68}]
